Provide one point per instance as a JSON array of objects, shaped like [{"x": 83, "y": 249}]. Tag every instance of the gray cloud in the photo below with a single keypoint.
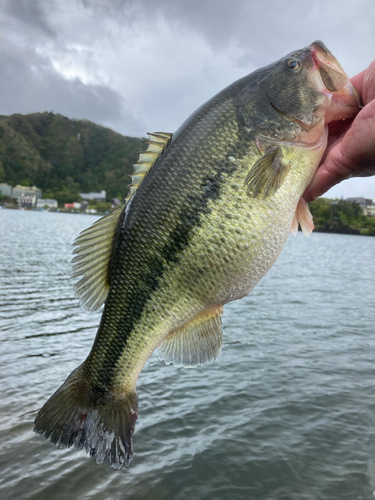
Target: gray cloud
[
  {"x": 90, "y": 57},
  {"x": 29, "y": 83},
  {"x": 42, "y": 89},
  {"x": 30, "y": 15},
  {"x": 145, "y": 65},
  {"x": 265, "y": 29}
]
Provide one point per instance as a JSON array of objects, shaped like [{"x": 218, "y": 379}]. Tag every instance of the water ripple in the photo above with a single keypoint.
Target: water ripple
[{"x": 287, "y": 412}]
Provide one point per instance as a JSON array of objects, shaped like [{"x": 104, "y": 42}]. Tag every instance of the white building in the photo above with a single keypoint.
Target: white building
[
  {"x": 26, "y": 191},
  {"x": 5, "y": 190},
  {"x": 367, "y": 205},
  {"x": 26, "y": 201},
  {"x": 93, "y": 196},
  {"x": 363, "y": 202},
  {"x": 43, "y": 203},
  {"x": 369, "y": 211}
]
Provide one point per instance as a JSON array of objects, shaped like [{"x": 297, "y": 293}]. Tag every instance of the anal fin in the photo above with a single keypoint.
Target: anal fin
[{"x": 196, "y": 343}]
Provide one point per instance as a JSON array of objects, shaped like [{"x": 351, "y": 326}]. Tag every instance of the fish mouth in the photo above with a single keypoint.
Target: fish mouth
[
  {"x": 306, "y": 127},
  {"x": 312, "y": 135},
  {"x": 331, "y": 71},
  {"x": 329, "y": 78}
]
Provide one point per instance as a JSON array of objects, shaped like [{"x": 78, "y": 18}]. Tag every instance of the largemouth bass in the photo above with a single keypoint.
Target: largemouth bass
[{"x": 208, "y": 213}]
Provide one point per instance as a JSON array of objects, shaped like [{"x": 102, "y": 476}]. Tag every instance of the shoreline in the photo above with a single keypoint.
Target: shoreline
[
  {"x": 59, "y": 211},
  {"x": 329, "y": 230}
]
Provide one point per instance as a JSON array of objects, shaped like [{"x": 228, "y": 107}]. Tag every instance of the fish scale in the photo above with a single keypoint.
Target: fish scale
[
  {"x": 174, "y": 283},
  {"x": 208, "y": 213}
]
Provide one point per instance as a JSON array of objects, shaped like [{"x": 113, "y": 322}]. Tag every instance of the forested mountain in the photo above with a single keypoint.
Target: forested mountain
[{"x": 64, "y": 157}]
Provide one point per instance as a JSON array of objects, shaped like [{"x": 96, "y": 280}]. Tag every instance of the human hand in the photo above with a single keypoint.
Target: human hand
[{"x": 351, "y": 143}]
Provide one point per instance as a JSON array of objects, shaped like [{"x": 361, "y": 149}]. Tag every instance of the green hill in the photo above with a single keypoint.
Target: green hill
[{"x": 64, "y": 157}]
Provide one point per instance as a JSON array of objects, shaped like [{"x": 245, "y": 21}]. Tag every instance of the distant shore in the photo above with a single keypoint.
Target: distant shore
[
  {"x": 344, "y": 230},
  {"x": 332, "y": 227},
  {"x": 342, "y": 217},
  {"x": 58, "y": 211}
]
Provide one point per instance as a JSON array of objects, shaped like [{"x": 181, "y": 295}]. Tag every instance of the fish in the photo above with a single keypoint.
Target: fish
[{"x": 209, "y": 211}]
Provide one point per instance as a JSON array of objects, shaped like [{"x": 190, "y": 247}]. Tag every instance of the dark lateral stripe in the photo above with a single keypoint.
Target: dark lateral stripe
[{"x": 193, "y": 214}]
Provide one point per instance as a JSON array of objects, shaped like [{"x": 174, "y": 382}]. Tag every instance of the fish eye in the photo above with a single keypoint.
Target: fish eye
[{"x": 293, "y": 64}]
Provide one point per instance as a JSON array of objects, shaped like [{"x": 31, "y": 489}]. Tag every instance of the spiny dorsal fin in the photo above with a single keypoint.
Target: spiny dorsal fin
[
  {"x": 157, "y": 143},
  {"x": 94, "y": 250},
  {"x": 95, "y": 244},
  {"x": 196, "y": 343},
  {"x": 267, "y": 174}
]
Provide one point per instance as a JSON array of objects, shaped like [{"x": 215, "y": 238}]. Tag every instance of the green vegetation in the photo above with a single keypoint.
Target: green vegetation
[
  {"x": 100, "y": 206},
  {"x": 64, "y": 157},
  {"x": 340, "y": 216}
]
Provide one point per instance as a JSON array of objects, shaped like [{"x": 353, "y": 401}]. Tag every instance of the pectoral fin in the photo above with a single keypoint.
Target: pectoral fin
[
  {"x": 196, "y": 343},
  {"x": 267, "y": 174},
  {"x": 304, "y": 217}
]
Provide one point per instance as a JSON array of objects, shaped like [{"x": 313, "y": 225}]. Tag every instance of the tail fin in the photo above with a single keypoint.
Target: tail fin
[{"x": 104, "y": 427}]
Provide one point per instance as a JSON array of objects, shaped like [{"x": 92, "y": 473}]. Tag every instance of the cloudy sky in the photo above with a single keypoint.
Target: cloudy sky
[{"x": 139, "y": 66}]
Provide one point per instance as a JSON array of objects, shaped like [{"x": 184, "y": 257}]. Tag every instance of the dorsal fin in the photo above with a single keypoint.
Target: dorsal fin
[
  {"x": 196, "y": 343},
  {"x": 94, "y": 250},
  {"x": 157, "y": 143},
  {"x": 95, "y": 244}
]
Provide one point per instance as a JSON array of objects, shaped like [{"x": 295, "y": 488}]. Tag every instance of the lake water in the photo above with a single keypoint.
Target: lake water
[{"x": 287, "y": 412}]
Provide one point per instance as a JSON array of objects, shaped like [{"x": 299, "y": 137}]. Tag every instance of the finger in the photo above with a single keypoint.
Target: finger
[
  {"x": 339, "y": 127},
  {"x": 331, "y": 172},
  {"x": 364, "y": 82},
  {"x": 357, "y": 80},
  {"x": 368, "y": 87},
  {"x": 358, "y": 145}
]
